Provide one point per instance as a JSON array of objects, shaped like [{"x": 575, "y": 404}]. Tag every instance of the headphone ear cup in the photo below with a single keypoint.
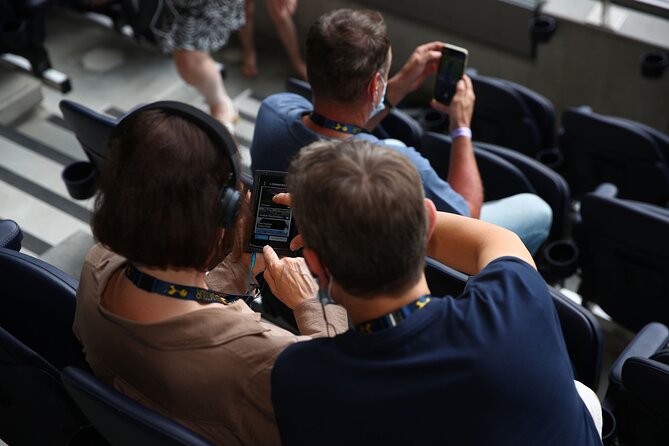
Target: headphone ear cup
[{"x": 229, "y": 206}]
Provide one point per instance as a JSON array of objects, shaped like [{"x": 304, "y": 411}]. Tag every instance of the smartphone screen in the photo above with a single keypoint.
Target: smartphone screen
[
  {"x": 272, "y": 223},
  {"x": 452, "y": 67}
]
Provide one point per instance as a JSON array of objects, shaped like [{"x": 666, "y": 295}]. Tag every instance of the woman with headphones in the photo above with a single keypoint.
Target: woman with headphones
[{"x": 170, "y": 208}]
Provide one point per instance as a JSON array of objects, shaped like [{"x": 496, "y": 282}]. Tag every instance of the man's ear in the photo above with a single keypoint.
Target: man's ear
[
  {"x": 431, "y": 214},
  {"x": 374, "y": 87},
  {"x": 315, "y": 266}
]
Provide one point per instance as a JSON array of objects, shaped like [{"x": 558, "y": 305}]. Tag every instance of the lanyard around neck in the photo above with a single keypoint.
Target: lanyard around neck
[
  {"x": 393, "y": 318},
  {"x": 337, "y": 126},
  {"x": 152, "y": 285}
]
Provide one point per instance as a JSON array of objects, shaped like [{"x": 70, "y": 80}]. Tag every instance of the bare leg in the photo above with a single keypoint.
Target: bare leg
[
  {"x": 285, "y": 27},
  {"x": 249, "y": 59},
  {"x": 198, "y": 69}
]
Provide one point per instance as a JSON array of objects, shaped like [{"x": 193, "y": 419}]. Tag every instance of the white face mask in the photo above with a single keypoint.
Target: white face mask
[{"x": 382, "y": 105}]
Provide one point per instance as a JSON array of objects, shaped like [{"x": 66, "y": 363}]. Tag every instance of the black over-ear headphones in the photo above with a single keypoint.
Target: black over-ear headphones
[{"x": 229, "y": 196}]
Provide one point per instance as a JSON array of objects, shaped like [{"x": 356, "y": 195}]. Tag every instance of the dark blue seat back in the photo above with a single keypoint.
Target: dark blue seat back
[
  {"x": 37, "y": 307},
  {"x": 121, "y": 420},
  {"x": 91, "y": 129},
  {"x": 547, "y": 183},
  {"x": 502, "y": 117},
  {"x": 35, "y": 409},
  {"x": 625, "y": 259},
  {"x": 542, "y": 111},
  {"x": 298, "y": 86},
  {"x": 500, "y": 177},
  {"x": 599, "y": 149}
]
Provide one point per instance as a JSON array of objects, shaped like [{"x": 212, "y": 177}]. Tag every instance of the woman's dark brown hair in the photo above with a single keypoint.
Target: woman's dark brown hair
[{"x": 158, "y": 201}]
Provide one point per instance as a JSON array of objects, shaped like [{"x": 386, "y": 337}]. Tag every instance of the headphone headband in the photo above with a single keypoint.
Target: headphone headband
[{"x": 222, "y": 140}]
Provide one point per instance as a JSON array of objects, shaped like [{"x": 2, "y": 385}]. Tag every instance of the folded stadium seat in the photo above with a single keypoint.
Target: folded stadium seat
[
  {"x": 581, "y": 331},
  {"x": 598, "y": 149},
  {"x": 91, "y": 129},
  {"x": 121, "y": 420},
  {"x": 500, "y": 177},
  {"x": 10, "y": 235},
  {"x": 503, "y": 116},
  {"x": 397, "y": 124},
  {"x": 638, "y": 392},
  {"x": 625, "y": 258},
  {"x": 37, "y": 307}
]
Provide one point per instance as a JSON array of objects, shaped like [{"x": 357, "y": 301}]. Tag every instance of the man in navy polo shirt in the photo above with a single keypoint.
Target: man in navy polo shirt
[{"x": 489, "y": 367}]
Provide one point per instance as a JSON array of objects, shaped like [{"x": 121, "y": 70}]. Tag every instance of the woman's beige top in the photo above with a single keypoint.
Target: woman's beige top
[{"x": 208, "y": 369}]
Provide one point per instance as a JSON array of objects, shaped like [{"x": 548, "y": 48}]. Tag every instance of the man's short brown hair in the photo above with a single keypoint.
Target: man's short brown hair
[
  {"x": 345, "y": 48},
  {"x": 360, "y": 207},
  {"x": 158, "y": 200}
]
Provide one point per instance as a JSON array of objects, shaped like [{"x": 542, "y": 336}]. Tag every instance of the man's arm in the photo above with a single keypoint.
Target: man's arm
[
  {"x": 463, "y": 172},
  {"x": 468, "y": 245}
]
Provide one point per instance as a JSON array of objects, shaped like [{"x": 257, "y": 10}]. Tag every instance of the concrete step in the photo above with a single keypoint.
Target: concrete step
[{"x": 19, "y": 94}]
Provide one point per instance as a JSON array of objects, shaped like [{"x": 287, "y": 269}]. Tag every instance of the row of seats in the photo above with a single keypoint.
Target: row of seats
[
  {"x": 504, "y": 172},
  {"x": 50, "y": 396}
]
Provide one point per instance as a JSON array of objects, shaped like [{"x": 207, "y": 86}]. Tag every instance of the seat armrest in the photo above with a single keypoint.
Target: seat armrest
[{"x": 646, "y": 343}]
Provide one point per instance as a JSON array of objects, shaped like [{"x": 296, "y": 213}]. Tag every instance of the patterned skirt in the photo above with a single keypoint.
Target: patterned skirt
[{"x": 203, "y": 25}]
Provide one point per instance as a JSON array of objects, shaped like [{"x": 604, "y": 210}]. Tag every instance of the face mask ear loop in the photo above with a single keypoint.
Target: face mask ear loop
[{"x": 325, "y": 298}]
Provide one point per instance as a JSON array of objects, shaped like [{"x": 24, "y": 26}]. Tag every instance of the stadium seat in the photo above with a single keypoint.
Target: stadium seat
[
  {"x": 547, "y": 183},
  {"x": 36, "y": 409},
  {"x": 632, "y": 156},
  {"x": 625, "y": 258},
  {"x": 37, "y": 307},
  {"x": 91, "y": 129},
  {"x": 121, "y": 420},
  {"x": 638, "y": 392},
  {"x": 511, "y": 116}
]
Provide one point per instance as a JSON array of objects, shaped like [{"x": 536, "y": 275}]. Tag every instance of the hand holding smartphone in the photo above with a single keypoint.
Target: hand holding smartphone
[
  {"x": 452, "y": 66},
  {"x": 272, "y": 223}
]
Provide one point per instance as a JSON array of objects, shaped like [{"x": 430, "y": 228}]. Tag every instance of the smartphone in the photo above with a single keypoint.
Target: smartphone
[
  {"x": 452, "y": 66},
  {"x": 272, "y": 223}
]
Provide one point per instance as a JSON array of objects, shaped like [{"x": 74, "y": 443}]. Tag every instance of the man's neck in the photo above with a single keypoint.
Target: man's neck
[{"x": 366, "y": 309}]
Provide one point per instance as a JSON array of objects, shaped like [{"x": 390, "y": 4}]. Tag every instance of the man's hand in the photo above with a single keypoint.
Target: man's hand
[
  {"x": 461, "y": 108},
  {"x": 423, "y": 62},
  {"x": 289, "y": 278},
  {"x": 284, "y": 199}
]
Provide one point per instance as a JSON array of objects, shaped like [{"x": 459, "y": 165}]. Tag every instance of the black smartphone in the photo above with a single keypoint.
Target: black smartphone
[
  {"x": 272, "y": 223},
  {"x": 452, "y": 66}
]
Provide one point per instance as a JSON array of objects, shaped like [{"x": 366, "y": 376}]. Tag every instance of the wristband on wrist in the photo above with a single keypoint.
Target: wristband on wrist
[{"x": 461, "y": 131}]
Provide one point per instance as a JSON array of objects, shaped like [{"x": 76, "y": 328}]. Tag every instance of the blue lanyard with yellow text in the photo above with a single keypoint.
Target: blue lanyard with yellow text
[
  {"x": 326, "y": 123},
  {"x": 393, "y": 318},
  {"x": 157, "y": 286}
]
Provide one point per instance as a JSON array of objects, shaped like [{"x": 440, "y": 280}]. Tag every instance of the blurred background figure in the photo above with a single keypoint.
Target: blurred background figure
[
  {"x": 281, "y": 12},
  {"x": 191, "y": 30}
]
